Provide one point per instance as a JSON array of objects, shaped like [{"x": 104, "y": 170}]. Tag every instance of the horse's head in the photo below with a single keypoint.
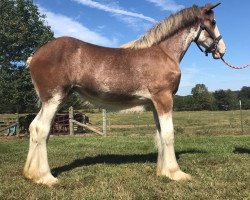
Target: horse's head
[{"x": 208, "y": 35}]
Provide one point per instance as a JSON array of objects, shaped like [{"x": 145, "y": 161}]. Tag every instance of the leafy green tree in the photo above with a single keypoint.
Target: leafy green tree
[
  {"x": 225, "y": 99},
  {"x": 22, "y": 31},
  {"x": 184, "y": 103},
  {"x": 202, "y": 97},
  {"x": 14, "y": 95},
  {"x": 74, "y": 100},
  {"x": 244, "y": 92},
  {"x": 244, "y": 96}
]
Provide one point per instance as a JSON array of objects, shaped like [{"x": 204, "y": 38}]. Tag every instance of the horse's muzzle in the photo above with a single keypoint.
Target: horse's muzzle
[{"x": 217, "y": 55}]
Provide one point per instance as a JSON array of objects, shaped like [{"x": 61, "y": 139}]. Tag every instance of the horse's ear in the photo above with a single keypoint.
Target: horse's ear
[
  {"x": 214, "y": 6},
  {"x": 209, "y": 8}
]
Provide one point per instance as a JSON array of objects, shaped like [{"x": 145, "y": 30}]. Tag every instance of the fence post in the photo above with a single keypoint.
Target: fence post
[
  {"x": 241, "y": 122},
  {"x": 71, "y": 125},
  {"x": 17, "y": 126},
  {"x": 109, "y": 124},
  {"x": 104, "y": 122}
]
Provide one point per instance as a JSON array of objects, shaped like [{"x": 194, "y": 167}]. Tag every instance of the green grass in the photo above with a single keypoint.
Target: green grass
[
  {"x": 185, "y": 123},
  {"x": 212, "y": 123},
  {"x": 123, "y": 167},
  {"x": 209, "y": 146}
]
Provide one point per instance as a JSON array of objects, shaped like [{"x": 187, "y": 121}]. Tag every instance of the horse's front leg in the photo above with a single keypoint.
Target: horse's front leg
[{"x": 166, "y": 163}]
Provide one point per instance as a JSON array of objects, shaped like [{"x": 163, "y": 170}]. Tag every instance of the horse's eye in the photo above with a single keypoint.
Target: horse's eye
[{"x": 213, "y": 22}]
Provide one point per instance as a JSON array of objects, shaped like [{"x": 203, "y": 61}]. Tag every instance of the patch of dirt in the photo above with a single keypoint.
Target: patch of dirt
[{"x": 11, "y": 137}]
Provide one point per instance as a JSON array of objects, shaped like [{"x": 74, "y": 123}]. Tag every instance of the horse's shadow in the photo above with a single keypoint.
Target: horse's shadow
[
  {"x": 116, "y": 159},
  {"x": 241, "y": 150}
]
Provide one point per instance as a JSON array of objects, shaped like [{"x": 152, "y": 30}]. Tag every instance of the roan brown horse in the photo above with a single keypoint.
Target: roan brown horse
[{"x": 145, "y": 71}]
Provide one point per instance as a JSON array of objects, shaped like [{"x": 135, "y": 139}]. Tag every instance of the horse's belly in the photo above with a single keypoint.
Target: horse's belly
[{"x": 117, "y": 100}]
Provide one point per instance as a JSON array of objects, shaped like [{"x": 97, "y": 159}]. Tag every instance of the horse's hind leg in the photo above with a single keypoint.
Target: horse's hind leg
[{"x": 37, "y": 167}]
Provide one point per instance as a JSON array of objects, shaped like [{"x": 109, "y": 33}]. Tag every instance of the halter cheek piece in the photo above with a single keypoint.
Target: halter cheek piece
[{"x": 214, "y": 45}]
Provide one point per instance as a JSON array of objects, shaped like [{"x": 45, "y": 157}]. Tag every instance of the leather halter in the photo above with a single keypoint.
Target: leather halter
[{"x": 213, "y": 46}]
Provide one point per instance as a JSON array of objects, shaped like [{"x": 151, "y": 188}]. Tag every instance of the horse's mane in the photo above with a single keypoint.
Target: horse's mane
[{"x": 166, "y": 28}]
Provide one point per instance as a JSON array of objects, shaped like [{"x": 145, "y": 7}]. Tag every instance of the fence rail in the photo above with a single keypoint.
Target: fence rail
[
  {"x": 187, "y": 123},
  {"x": 8, "y": 127},
  {"x": 86, "y": 126},
  {"x": 89, "y": 127},
  {"x": 9, "y": 124}
]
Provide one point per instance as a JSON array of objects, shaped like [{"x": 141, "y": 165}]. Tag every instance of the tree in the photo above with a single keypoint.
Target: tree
[
  {"x": 75, "y": 100},
  {"x": 244, "y": 92},
  {"x": 22, "y": 31},
  {"x": 244, "y": 96},
  {"x": 184, "y": 103},
  {"x": 14, "y": 95},
  {"x": 202, "y": 97},
  {"x": 225, "y": 99}
]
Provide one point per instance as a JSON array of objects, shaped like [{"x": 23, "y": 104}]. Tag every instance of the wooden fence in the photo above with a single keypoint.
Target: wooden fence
[
  {"x": 63, "y": 124},
  {"x": 87, "y": 126},
  {"x": 7, "y": 123}
]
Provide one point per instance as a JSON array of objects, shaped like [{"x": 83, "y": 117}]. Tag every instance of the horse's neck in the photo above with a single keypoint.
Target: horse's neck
[{"x": 177, "y": 45}]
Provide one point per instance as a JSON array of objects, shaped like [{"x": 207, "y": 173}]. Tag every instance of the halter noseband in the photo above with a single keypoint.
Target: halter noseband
[{"x": 213, "y": 46}]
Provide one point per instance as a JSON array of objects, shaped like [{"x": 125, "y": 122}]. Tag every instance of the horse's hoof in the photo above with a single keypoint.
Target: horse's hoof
[
  {"x": 48, "y": 180},
  {"x": 179, "y": 176}
]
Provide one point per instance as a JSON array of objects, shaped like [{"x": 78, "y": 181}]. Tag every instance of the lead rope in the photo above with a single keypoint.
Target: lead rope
[{"x": 235, "y": 67}]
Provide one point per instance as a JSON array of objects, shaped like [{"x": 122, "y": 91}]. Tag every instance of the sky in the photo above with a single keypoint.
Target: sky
[{"x": 112, "y": 23}]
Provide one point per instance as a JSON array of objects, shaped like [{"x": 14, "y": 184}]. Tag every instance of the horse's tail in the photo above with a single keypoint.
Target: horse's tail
[{"x": 28, "y": 61}]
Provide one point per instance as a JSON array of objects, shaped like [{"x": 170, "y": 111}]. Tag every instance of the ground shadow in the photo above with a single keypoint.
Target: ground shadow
[
  {"x": 241, "y": 150},
  {"x": 116, "y": 159}
]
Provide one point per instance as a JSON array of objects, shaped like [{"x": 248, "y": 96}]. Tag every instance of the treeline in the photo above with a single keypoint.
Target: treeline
[{"x": 202, "y": 99}]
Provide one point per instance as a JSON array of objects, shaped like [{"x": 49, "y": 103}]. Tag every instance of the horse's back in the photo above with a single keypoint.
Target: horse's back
[
  {"x": 57, "y": 49},
  {"x": 71, "y": 51}
]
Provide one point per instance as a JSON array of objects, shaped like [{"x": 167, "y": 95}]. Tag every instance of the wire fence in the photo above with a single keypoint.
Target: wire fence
[
  {"x": 186, "y": 123},
  {"x": 234, "y": 122}
]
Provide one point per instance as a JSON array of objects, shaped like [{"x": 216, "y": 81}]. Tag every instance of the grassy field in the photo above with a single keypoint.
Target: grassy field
[
  {"x": 185, "y": 123},
  {"x": 209, "y": 146},
  {"x": 123, "y": 167}
]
